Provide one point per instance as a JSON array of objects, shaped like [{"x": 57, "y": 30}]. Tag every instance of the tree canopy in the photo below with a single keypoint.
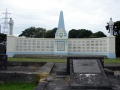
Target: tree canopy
[
  {"x": 83, "y": 33},
  {"x": 73, "y": 33},
  {"x": 117, "y": 28},
  {"x": 38, "y": 33},
  {"x": 80, "y": 33},
  {"x": 50, "y": 33},
  {"x": 2, "y": 37},
  {"x": 98, "y": 35},
  {"x": 33, "y": 32}
]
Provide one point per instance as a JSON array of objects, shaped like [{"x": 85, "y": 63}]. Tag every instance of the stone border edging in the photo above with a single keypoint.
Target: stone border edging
[{"x": 43, "y": 73}]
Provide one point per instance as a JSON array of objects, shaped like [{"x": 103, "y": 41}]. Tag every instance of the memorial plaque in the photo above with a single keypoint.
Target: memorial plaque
[
  {"x": 86, "y": 66},
  {"x": 60, "y": 46}
]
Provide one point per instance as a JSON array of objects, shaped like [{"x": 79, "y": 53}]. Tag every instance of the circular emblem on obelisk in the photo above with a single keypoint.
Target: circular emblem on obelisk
[{"x": 60, "y": 34}]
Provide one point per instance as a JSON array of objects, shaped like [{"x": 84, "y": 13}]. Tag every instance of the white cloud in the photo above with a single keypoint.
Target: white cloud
[{"x": 78, "y": 14}]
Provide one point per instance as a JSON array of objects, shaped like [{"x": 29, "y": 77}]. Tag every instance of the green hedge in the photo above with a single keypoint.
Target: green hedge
[{"x": 117, "y": 45}]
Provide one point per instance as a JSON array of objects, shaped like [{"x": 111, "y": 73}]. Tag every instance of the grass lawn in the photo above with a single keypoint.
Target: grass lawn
[
  {"x": 117, "y": 60},
  {"x": 17, "y": 86},
  {"x": 37, "y": 59}
]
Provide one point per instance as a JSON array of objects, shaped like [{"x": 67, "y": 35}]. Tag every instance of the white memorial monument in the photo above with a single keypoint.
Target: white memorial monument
[
  {"x": 61, "y": 45},
  {"x": 61, "y": 38}
]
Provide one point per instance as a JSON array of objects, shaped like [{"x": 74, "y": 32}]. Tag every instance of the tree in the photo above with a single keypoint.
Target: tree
[
  {"x": 117, "y": 28},
  {"x": 80, "y": 33},
  {"x": 83, "y": 33},
  {"x": 3, "y": 43},
  {"x": 98, "y": 35},
  {"x": 50, "y": 33},
  {"x": 40, "y": 32},
  {"x": 117, "y": 45},
  {"x": 2, "y": 37},
  {"x": 73, "y": 33},
  {"x": 117, "y": 39},
  {"x": 33, "y": 32}
]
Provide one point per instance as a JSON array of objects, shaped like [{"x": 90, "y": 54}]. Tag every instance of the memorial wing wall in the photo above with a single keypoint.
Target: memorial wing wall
[
  {"x": 34, "y": 45},
  {"x": 87, "y": 45}
]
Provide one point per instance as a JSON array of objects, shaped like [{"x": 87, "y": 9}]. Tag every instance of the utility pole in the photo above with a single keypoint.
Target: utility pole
[{"x": 5, "y": 22}]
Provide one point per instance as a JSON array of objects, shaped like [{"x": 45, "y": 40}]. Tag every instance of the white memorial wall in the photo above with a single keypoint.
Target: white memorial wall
[
  {"x": 87, "y": 45},
  {"x": 81, "y": 46},
  {"x": 34, "y": 45}
]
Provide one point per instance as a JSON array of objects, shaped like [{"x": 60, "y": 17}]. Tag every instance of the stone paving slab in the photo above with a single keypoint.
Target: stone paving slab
[{"x": 41, "y": 86}]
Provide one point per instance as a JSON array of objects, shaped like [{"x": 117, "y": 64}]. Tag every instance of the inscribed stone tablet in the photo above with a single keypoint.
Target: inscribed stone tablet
[
  {"x": 60, "y": 46},
  {"x": 86, "y": 66}
]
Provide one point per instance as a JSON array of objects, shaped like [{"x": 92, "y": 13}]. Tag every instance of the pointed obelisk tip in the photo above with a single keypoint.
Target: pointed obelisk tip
[
  {"x": 61, "y": 12},
  {"x": 61, "y": 21}
]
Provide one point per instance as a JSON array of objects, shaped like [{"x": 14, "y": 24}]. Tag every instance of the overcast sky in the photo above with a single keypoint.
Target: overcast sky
[{"x": 78, "y": 14}]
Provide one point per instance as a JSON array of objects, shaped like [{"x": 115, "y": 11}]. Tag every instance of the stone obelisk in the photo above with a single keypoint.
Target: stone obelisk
[
  {"x": 61, "y": 38},
  {"x": 61, "y": 32}
]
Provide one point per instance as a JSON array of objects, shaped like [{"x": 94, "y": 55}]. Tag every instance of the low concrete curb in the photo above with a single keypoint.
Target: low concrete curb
[
  {"x": 112, "y": 66},
  {"x": 43, "y": 73},
  {"x": 41, "y": 86}
]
